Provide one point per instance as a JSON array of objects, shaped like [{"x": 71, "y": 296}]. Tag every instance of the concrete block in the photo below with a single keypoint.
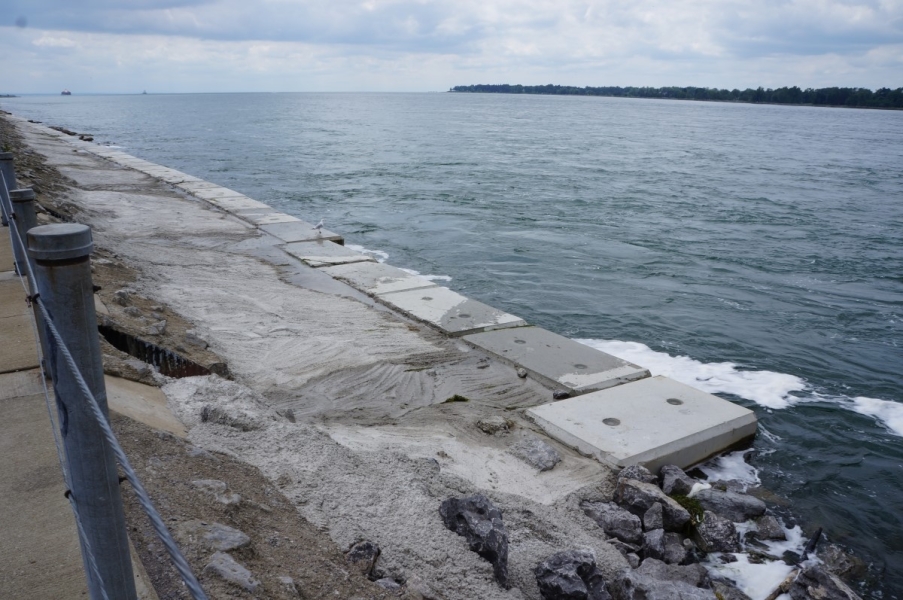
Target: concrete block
[
  {"x": 556, "y": 360},
  {"x": 375, "y": 278},
  {"x": 448, "y": 311},
  {"x": 301, "y": 231},
  {"x": 12, "y": 298},
  {"x": 200, "y": 184},
  {"x": 321, "y": 253},
  {"x": 234, "y": 203},
  {"x": 212, "y": 193},
  {"x": 17, "y": 352},
  {"x": 651, "y": 422},
  {"x": 262, "y": 217}
]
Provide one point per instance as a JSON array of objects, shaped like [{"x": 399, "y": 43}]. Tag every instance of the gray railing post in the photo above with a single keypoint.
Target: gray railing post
[
  {"x": 8, "y": 172},
  {"x": 25, "y": 218},
  {"x": 63, "y": 272}
]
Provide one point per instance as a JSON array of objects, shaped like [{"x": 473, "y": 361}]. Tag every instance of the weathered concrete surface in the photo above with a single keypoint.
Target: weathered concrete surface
[
  {"x": 557, "y": 360},
  {"x": 375, "y": 278},
  {"x": 6, "y": 251},
  {"x": 653, "y": 422},
  {"x": 449, "y": 311},
  {"x": 143, "y": 403},
  {"x": 301, "y": 231},
  {"x": 261, "y": 216},
  {"x": 17, "y": 350},
  {"x": 322, "y": 253}
]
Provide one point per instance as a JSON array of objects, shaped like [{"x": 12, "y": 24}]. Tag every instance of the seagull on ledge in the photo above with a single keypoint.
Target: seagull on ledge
[{"x": 319, "y": 227}]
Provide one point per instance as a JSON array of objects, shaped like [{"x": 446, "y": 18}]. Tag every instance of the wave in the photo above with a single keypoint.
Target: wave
[
  {"x": 889, "y": 413},
  {"x": 379, "y": 255}
]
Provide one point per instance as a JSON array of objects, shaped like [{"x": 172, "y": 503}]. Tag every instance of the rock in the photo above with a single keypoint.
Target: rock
[
  {"x": 638, "y": 498},
  {"x": 536, "y": 453},
  {"x": 362, "y": 556},
  {"x": 122, "y": 297},
  {"x": 694, "y": 575},
  {"x": 478, "y": 520},
  {"x": 522, "y": 373},
  {"x": 654, "y": 544},
  {"x": 733, "y": 506},
  {"x": 158, "y": 328},
  {"x": 228, "y": 568},
  {"x": 654, "y": 580},
  {"x": 493, "y": 425},
  {"x": 289, "y": 415},
  {"x": 726, "y": 591},
  {"x": 132, "y": 311},
  {"x": 388, "y": 583},
  {"x": 840, "y": 563},
  {"x": 654, "y": 518},
  {"x": 288, "y": 586},
  {"x": 768, "y": 528},
  {"x": 561, "y": 395},
  {"x": 192, "y": 338},
  {"x": 214, "y": 536},
  {"x": 419, "y": 590},
  {"x": 693, "y": 554},
  {"x": 615, "y": 521},
  {"x": 633, "y": 560},
  {"x": 716, "y": 534},
  {"x": 638, "y": 472},
  {"x": 571, "y": 574},
  {"x": 215, "y": 414},
  {"x": 817, "y": 583},
  {"x": 674, "y": 481},
  {"x": 217, "y": 489}
]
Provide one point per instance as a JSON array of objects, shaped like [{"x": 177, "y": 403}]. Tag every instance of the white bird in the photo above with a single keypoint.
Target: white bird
[{"x": 319, "y": 226}]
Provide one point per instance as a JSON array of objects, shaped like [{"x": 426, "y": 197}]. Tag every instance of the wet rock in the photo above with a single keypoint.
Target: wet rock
[
  {"x": 817, "y": 583},
  {"x": 218, "y": 490},
  {"x": 727, "y": 558},
  {"x": 193, "y": 339},
  {"x": 674, "y": 481},
  {"x": 570, "y": 575},
  {"x": 226, "y": 567},
  {"x": 214, "y": 536},
  {"x": 536, "y": 453},
  {"x": 716, "y": 534},
  {"x": 362, "y": 556},
  {"x": 522, "y": 373},
  {"x": 733, "y": 506},
  {"x": 693, "y": 553},
  {"x": 840, "y": 563},
  {"x": 615, "y": 521},
  {"x": 639, "y": 473},
  {"x": 480, "y": 522},
  {"x": 768, "y": 528},
  {"x": 654, "y": 518},
  {"x": 654, "y": 580},
  {"x": 726, "y": 591},
  {"x": 158, "y": 328},
  {"x": 561, "y": 395},
  {"x": 638, "y": 498},
  {"x": 122, "y": 297},
  {"x": 493, "y": 425}
]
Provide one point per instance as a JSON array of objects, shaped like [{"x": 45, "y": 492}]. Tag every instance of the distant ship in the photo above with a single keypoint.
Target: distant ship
[
  {"x": 65, "y": 93},
  {"x": 144, "y": 93}
]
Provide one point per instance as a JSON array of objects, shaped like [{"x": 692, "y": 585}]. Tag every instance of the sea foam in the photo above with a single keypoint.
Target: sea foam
[{"x": 889, "y": 413}]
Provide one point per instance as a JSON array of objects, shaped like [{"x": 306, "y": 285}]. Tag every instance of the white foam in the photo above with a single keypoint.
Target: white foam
[
  {"x": 731, "y": 467},
  {"x": 889, "y": 413},
  {"x": 379, "y": 255},
  {"x": 767, "y": 388},
  {"x": 430, "y": 277}
]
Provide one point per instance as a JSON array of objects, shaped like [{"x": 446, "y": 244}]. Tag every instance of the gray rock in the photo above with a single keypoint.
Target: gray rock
[
  {"x": 733, "y": 506},
  {"x": 480, "y": 522},
  {"x": 158, "y": 328},
  {"x": 226, "y": 567},
  {"x": 289, "y": 415},
  {"x": 193, "y": 339},
  {"x": 654, "y": 544},
  {"x": 817, "y": 583},
  {"x": 654, "y": 580},
  {"x": 122, "y": 297},
  {"x": 674, "y": 481},
  {"x": 288, "y": 586},
  {"x": 417, "y": 589},
  {"x": 840, "y": 563},
  {"x": 716, "y": 534},
  {"x": 570, "y": 575},
  {"x": 132, "y": 311},
  {"x": 615, "y": 521},
  {"x": 362, "y": 556},
  {"x": 654, "y": 518},
  {"x": 666, "y": 547},
  {"x": 561, "y": 395},
  {"x": 726, "y": 591},
  {"x": 638, "y": 472},
  {"x": 694, "y": 575},
  {"x": 218, "y": 490},
  {"x": 214, "y": 536},
  {"x": 387, "y": 583},
  {"x": 522, "y": 373},
  {"x": 493, "y": 425},
  {"x": 633, "y": 560},
  {"x": 638, "y": 497},
  {"x": 536, "y": 453},
  {"x": 768, "y": 528}
]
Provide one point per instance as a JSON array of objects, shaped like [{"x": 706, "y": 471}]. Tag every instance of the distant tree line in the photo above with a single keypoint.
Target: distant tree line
[{"x": 833, "y": 96}]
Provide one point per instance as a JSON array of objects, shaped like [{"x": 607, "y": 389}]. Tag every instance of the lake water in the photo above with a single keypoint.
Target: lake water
[{"x": 755, "y": 252}]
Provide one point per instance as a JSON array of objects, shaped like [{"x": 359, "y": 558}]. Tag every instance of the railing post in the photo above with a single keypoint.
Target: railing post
[
  {"x": 8, "y": 173},
  {"x": 25, "y": 218},
  {"x": 63, "y": 272}
]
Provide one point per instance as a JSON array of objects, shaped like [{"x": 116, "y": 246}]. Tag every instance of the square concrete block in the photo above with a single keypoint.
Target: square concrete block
[
  {"x": 375, "y": 278},
  {"x": 200, "y": 184},
  {"x": 301, "y": 231},
  {"x": 651, "y": 422},
  {"x": 18, "y": 350},
  {"x": 12, "y": 298},
  {"x": 556, "y": 360},
  {"x": 235, "y": 203},
  {"x": 270, "y": 218},
  {"x": 213, "y": 193},
  {"x": 321, "y": 253},
  {"x": 448, "y": 311}
]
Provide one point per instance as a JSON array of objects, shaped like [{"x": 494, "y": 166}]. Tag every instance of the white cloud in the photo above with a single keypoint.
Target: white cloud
[{"x": 54, "y": 42}]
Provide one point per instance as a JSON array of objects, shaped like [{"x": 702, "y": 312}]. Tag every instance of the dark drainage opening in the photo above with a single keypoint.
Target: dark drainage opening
[{"x": 167, "y": 362}]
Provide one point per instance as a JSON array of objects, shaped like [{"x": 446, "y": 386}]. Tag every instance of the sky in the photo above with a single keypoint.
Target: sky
[{"x": 175, "y": 46}]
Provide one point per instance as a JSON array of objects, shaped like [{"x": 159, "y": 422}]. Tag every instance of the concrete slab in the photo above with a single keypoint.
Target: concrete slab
[
  {"x": 233, "y": 203},
  {"x": 17, "y": 352},
  {"x": 375, "y": 278},
  {"x": 143, "y": 403},
  {"x": 21, "y": 383},
  {"x": 6, "y": 251},
  {"x": 301, "y": 231},
  {"x": 321, "y": 253},
  {"x": 652, "y": 422},
  {"x": 268, "y": 218},
  {"x": 449, "y": 311},
  {"x": 213, "y": 193},
  {"x": 12, "y": 298},
  {"x": 192, "y": 186},
  {"x": 557, "y": 361}
]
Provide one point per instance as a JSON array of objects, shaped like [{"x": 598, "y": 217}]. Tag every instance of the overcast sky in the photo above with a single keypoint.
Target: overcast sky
[{"x": 423, "y": 45}]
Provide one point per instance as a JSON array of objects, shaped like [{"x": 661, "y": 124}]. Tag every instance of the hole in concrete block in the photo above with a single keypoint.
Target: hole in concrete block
[
  {"x": 520, "y": 341},
  {"x": 579, "y": 366},
  {"x": 464, "y": 316},
  {"x": 611, "y": 422},
  {"x": 426, "y": 298},
  {"x": 674, "y": 401}
]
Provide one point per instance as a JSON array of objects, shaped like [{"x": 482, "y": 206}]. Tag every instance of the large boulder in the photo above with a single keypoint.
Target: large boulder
[
  {"x": 638, "y": 498},
  {"x": 615, "y": 521},
  {"x": 716, "y": 534},
  {"x": 480, "y": 522},
  {"x": 769, "y": 528},
  {"x": 570, "y": 575},
  {"x": 654, "y": 580},
  {"x": 733, "y": 506},
  {"x": 674, "y": 481},
  {"x": 817, "y": 583}
]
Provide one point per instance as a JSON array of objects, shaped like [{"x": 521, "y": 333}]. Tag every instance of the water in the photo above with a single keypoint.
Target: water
[{"x": 752, "y": 251}]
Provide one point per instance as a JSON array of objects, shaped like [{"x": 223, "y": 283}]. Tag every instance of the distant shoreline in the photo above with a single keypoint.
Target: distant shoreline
[{"x": 884, "y": 98}]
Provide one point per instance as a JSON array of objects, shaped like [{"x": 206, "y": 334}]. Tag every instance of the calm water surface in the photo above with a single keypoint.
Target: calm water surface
[{"x": 753, "y": 251}]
